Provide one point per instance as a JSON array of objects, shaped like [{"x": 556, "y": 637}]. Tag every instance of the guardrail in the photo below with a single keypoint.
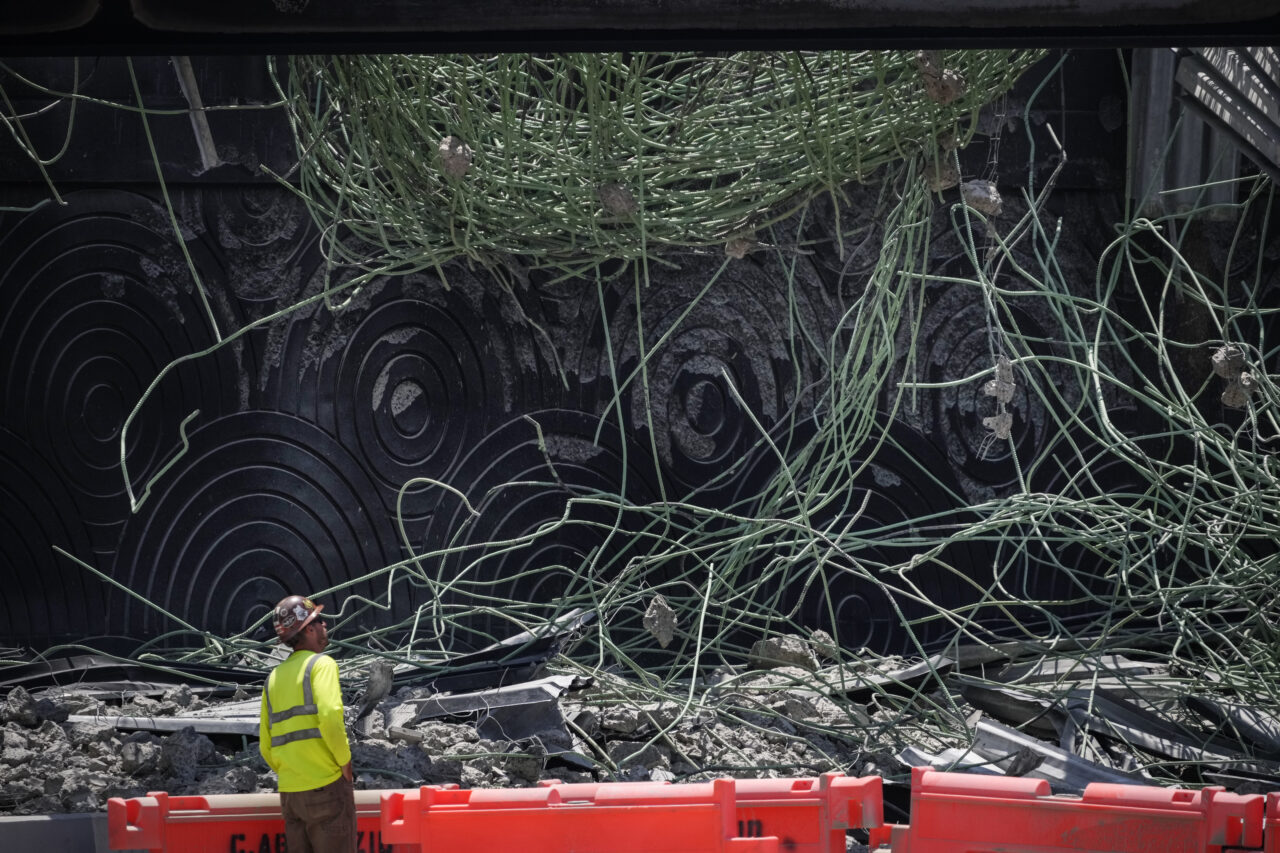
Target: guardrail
[
  {"x": 962, "y": 813},
  {"x": 950, "y": 813},
  {"x": 807, "y": 815},
  {"x": 223, "y": 823}
]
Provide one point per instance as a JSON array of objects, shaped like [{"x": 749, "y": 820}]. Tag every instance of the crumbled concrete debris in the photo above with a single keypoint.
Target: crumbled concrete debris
[
  {"x": 739, "y": 247},
  {"x": 941, "y": 174},
  {"x": 627, "y": 754},
  {"x": 237, "y": 780},
  {"x": 795, "y": 707},
  {"x": 145, "y": 706},
  {"x": 455, "y": 156},
  {"x": 410, "y": 764},
  {"x": 51, "y": 733},
  {"x": 15, "y": 752},
  {"x": 629, "y": 719},
  {"x": 1002, "y": 387},
  {"x": 140, "y": 759},
  {"x": 524, "y": 765},
  {"x": 1238, "y": 390},
  {"x": 180, "y": 696},
  {"x": 824, "y": 645},
  {"x": 20, "y": 708},
  {"x": 942, "y": 85},
  {"x": 1228, "y": 361},
  {"x": 617, "y": 200},
  {"x": 621, "y": 720},
  {"x": 1000, "y": 424},
  {"x": 488, "y": 763},
  {"x": 660, "y": 621},
  {"x": 982, "y": 196},
  {"x": 786, "y": 650},
  {"x": 83, "y": 735},
  {"x": 14, "y": 737},
  {"x": 182, "y": 752},
  {"x": 782, "y": 721}
]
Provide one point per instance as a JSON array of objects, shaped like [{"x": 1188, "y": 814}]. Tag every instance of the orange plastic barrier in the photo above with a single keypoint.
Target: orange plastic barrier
[
  {"x": 962, "y": 813},
  {"x": 1271, "y": 833},
  {"x": 810, "y": 815},
  {"x": 735, "y": 816},
  {"x": 225, "y": 823}
]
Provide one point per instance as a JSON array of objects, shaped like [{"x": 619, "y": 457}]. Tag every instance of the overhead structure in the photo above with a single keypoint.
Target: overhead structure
[
  {"x": 311, "y": 25},
  {"x": 1187, "y": 160},
  {"x": 1237, "y": 90}
]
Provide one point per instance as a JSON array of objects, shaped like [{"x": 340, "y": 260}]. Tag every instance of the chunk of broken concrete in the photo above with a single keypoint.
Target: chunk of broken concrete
[
  {"x": 625, "y": 753},
  {"x": 982, "y": 196},
  {"x": 183, "y": 750},
  {"x": 660, "y": 621},
  {"x": 140, "y": 758},
  {"x": 823, "y": 644},
  {"x": 20, "y": 708},
  {"x": 786, "y": 650}
]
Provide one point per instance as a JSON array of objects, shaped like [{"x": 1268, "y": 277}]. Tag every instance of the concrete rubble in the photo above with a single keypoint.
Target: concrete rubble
[{"x": 791, "y": 712}]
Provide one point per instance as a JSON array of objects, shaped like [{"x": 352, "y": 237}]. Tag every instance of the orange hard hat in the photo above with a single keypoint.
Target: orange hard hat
[{"x": 292, "y": 614}]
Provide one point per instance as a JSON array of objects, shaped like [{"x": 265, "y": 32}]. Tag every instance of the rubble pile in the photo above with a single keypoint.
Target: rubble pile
[
  {"x": 790, "y": 711},
  {"x": 53, "y": 761}
]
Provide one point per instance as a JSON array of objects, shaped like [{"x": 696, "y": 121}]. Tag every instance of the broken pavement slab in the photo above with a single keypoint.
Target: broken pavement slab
[
  {"x": 1000, "y": 746},
  {"x": 516, "y": 659},
  {"x": 1067, "y": 668},
  {"x": 512, "y": 712},
  {"x": 230, "y": 718},
  {"x": 1249, "y": 724},
  {"x": 1111, "y": 717},
  {"x": 109, "y": 672},
  {"x": 514, "y": 708},
  {"x": 859, "y": 681}
]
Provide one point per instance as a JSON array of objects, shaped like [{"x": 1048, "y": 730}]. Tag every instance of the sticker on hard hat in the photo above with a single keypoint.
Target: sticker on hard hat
[{"x": 287, "y": 617}]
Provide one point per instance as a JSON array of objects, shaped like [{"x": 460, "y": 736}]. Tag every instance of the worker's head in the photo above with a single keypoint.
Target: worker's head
[
  {"x": 297, "y": 624},
  {"x": 312, "y": 638}
]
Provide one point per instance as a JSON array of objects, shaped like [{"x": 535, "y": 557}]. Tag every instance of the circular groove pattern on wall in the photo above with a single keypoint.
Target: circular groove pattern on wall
[
  {"x": 94, "y": 301},
  {"x": 263, "y": 505},
  {"x": 411, "y": 377},
  {"x": 47, "y": 598}
]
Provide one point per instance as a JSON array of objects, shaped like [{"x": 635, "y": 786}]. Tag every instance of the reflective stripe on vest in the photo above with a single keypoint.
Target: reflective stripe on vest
[{"x": 308, "y": 706}]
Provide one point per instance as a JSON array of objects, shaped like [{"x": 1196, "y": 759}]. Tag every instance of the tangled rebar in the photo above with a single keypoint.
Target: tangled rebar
[
  {"x": 565, "y": 163},
  {"x": 572, "y": 160}
]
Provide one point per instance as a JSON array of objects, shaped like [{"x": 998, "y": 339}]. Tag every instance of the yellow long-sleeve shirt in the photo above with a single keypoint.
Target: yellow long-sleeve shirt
[{"x": 308, "y": 762}]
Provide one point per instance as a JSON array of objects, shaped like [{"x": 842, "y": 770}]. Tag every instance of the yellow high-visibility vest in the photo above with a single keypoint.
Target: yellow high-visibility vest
[{"x": 302, "y": 735}]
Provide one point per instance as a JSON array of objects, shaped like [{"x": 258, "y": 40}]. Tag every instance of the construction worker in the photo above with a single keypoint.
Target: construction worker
[{"x": 303, "y": 737}]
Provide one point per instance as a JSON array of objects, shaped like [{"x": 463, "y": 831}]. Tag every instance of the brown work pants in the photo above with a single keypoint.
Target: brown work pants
[{"x": 322, "y": 820}]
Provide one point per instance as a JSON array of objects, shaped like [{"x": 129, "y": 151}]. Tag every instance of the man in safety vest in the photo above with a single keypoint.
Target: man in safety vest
[{"x": 303, "y": 738}]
